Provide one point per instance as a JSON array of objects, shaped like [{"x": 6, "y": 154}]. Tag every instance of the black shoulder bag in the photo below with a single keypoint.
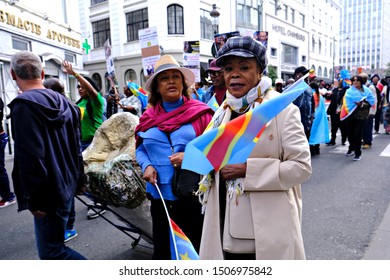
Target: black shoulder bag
[{"x": 185, "y": 183}]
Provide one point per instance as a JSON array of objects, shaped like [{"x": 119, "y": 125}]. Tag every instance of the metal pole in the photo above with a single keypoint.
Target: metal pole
[
  {"x": 334, "y": 53},
  {"x": 260, "y": 14}
]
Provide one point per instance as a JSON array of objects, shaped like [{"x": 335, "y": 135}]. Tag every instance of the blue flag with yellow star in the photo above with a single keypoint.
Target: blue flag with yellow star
[
  {"x": 185, "y": 249},
  {"x": 213, "y": 104}
]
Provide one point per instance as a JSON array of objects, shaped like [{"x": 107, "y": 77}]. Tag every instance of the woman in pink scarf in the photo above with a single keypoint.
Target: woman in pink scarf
[{"x": 172, "y": 120}]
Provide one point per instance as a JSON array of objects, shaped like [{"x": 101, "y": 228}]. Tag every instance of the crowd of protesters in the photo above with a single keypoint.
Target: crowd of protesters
[{"x": 176, "y": 114}]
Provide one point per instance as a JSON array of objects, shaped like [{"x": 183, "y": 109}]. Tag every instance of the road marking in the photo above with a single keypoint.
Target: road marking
[
  {"x": 340, "y": 149},
  {"x": 386, "y": 152}
]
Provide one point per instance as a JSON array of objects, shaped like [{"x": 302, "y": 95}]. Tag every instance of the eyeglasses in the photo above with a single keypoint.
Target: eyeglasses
[{"x": 215, "y": 74}]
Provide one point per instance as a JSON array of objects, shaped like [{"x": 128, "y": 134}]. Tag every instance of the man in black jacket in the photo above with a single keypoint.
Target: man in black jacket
[
  {"x": 334, "y": 112},
  {"x": 48, "y": 161}
]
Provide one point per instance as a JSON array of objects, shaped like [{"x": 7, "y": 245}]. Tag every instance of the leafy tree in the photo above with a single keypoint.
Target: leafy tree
[
  {"x": 272, "y": 73},
  {"x": 387, "y": 71}
]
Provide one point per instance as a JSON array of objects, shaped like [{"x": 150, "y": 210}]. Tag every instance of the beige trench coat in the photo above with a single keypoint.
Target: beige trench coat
[{"x": 277, "y": 166}]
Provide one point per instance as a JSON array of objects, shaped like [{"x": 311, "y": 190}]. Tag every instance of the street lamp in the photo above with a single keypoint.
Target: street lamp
[
  {"x": 215, "y": 15},
  {"x": 260, "y": 13}
]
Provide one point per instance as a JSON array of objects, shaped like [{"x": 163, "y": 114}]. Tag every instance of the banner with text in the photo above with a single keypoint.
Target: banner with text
[
  {"x": 191, "y": 58},
  {"x": 150, "y": 49}
]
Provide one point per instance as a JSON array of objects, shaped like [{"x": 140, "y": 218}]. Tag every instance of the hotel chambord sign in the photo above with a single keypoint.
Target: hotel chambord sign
[{"x": 29, "y": 26}]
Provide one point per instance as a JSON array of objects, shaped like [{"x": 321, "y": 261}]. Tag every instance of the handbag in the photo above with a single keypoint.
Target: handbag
[
  {"x": 185, "y": 183},
  {"x": 238, "y": 233}
]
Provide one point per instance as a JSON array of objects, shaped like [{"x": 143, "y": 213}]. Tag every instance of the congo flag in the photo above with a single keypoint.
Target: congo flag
[
  {"x": 213, "y": 104},
  {"x": 139, "y": 92},
  {"x": 352, "y": 97},
  {"x": 234, "y": 141},
  {"x": 181, "y": 247}
]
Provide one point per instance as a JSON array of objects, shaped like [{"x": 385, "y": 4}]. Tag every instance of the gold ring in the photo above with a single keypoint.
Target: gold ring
[{"x": 175, "y": 165}]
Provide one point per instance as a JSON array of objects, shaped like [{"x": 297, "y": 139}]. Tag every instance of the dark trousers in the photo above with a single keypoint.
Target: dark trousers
[
  {"x": 355, "y": 130},
  {"x": 72, "y": 214},
  {"x": 378, "y": 119},
  {"x": 186, "y": 213},
  {"x": 5, "y": 191},
  {"x": 367, "y": 130},
  {"x": 336, "y": 124}
]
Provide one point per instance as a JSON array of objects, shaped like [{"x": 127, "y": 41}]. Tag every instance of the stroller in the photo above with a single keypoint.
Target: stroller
[{"x": 114, "y": 179}]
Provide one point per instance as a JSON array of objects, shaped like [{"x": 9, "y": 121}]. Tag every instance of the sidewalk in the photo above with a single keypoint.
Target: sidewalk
[{"x": 379, "y": 247}]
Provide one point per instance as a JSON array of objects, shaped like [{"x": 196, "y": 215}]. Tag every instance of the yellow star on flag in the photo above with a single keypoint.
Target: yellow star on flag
[{"x": 185, "y": 256}]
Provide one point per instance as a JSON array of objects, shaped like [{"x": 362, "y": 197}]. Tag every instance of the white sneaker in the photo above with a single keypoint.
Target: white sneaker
[
  {"x": 93, "y": 211},
  {"x": 4, "y": 203}
]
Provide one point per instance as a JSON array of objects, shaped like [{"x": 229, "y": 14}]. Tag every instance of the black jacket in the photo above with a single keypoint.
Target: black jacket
[
  {"x": 336, "y": 100},
  {"x": 48, "y": 159}
]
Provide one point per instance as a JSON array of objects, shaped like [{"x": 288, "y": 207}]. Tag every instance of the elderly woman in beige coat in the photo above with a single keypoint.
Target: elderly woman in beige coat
[{"x": 253, "y": 210}]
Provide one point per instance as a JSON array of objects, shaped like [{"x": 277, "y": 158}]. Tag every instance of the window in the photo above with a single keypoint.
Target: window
[
  {"x": 274, "y": 52},
  {"x": 206, "y": 25},
  {"x": 313, "y": 44},
  {"x": 276, "y": 5},
  {"x": 292, "y": 15},
  {"x": 302, "y": 20},
  {"x": 319, "y": 74},
  {"x": 175, "y": 19},
  {"x": 290, "y": 54},
  {"x": 135, "y": 21},
  {"x": 325, "y": 48},
  {"x": 319, "y": 16},
  {"x": 285, "y": 9},
  {"x": 101, "y": 32},
  {"x": 21, "y": 44},
  {"x": 303, "y": 58},
  {"x": 70, "y": 57},
  {"x": 97, "y": 79},
  {"x": 319, "y": 47},
  {"x": 95, "y": 2},
  {"x": 326, "y": 19},
  {"x": 130, "y": 75},
  {"x": 246, "y": 14},
  {"x": 313, "y": 11}
]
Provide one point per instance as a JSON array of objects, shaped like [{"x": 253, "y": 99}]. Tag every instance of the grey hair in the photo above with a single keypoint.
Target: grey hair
[
  {"x": 26, "y": 65},
  {"x": 365, "y": 78}
]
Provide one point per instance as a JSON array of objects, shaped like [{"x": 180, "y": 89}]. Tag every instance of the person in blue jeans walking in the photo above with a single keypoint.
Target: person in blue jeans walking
[
  {"x": 48, "y": 160},
  {"x": 7, "y": 197}
]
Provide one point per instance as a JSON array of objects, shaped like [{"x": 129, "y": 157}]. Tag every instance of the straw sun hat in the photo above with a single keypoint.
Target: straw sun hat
[{"x": 167, "y": 62}]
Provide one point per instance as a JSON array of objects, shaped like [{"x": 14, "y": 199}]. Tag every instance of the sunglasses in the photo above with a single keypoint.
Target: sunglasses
[{"x": 355, "y": 80}]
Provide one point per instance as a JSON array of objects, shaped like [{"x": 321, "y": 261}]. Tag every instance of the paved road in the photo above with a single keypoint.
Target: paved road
[
  {"x": 345, "y": 201},
  {"x": 344, "y": 204}
]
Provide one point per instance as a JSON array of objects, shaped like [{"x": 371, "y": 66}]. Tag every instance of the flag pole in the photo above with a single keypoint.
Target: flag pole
[{"x": 169, "y": 221}]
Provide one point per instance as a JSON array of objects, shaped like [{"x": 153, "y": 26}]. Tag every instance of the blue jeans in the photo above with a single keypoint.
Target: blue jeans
[
  {"x": 85, "y": 144},
  {"x": 5, "y": 191},
  {"x": 385, "y": 122},
  {"x": 49, "y": 235}
]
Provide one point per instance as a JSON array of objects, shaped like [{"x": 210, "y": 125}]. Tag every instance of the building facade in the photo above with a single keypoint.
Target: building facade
[
  {"x": 367, "y": 27},
  {"x": 47, "y": 32},
  {"x": 325, "y": 37},
  {"x": 288, "y": 35},
  {"x": 119, "y": 21}
]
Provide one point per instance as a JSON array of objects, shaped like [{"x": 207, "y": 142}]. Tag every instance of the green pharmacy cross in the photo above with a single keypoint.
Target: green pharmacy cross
[{"x": 86, "y": 46}]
